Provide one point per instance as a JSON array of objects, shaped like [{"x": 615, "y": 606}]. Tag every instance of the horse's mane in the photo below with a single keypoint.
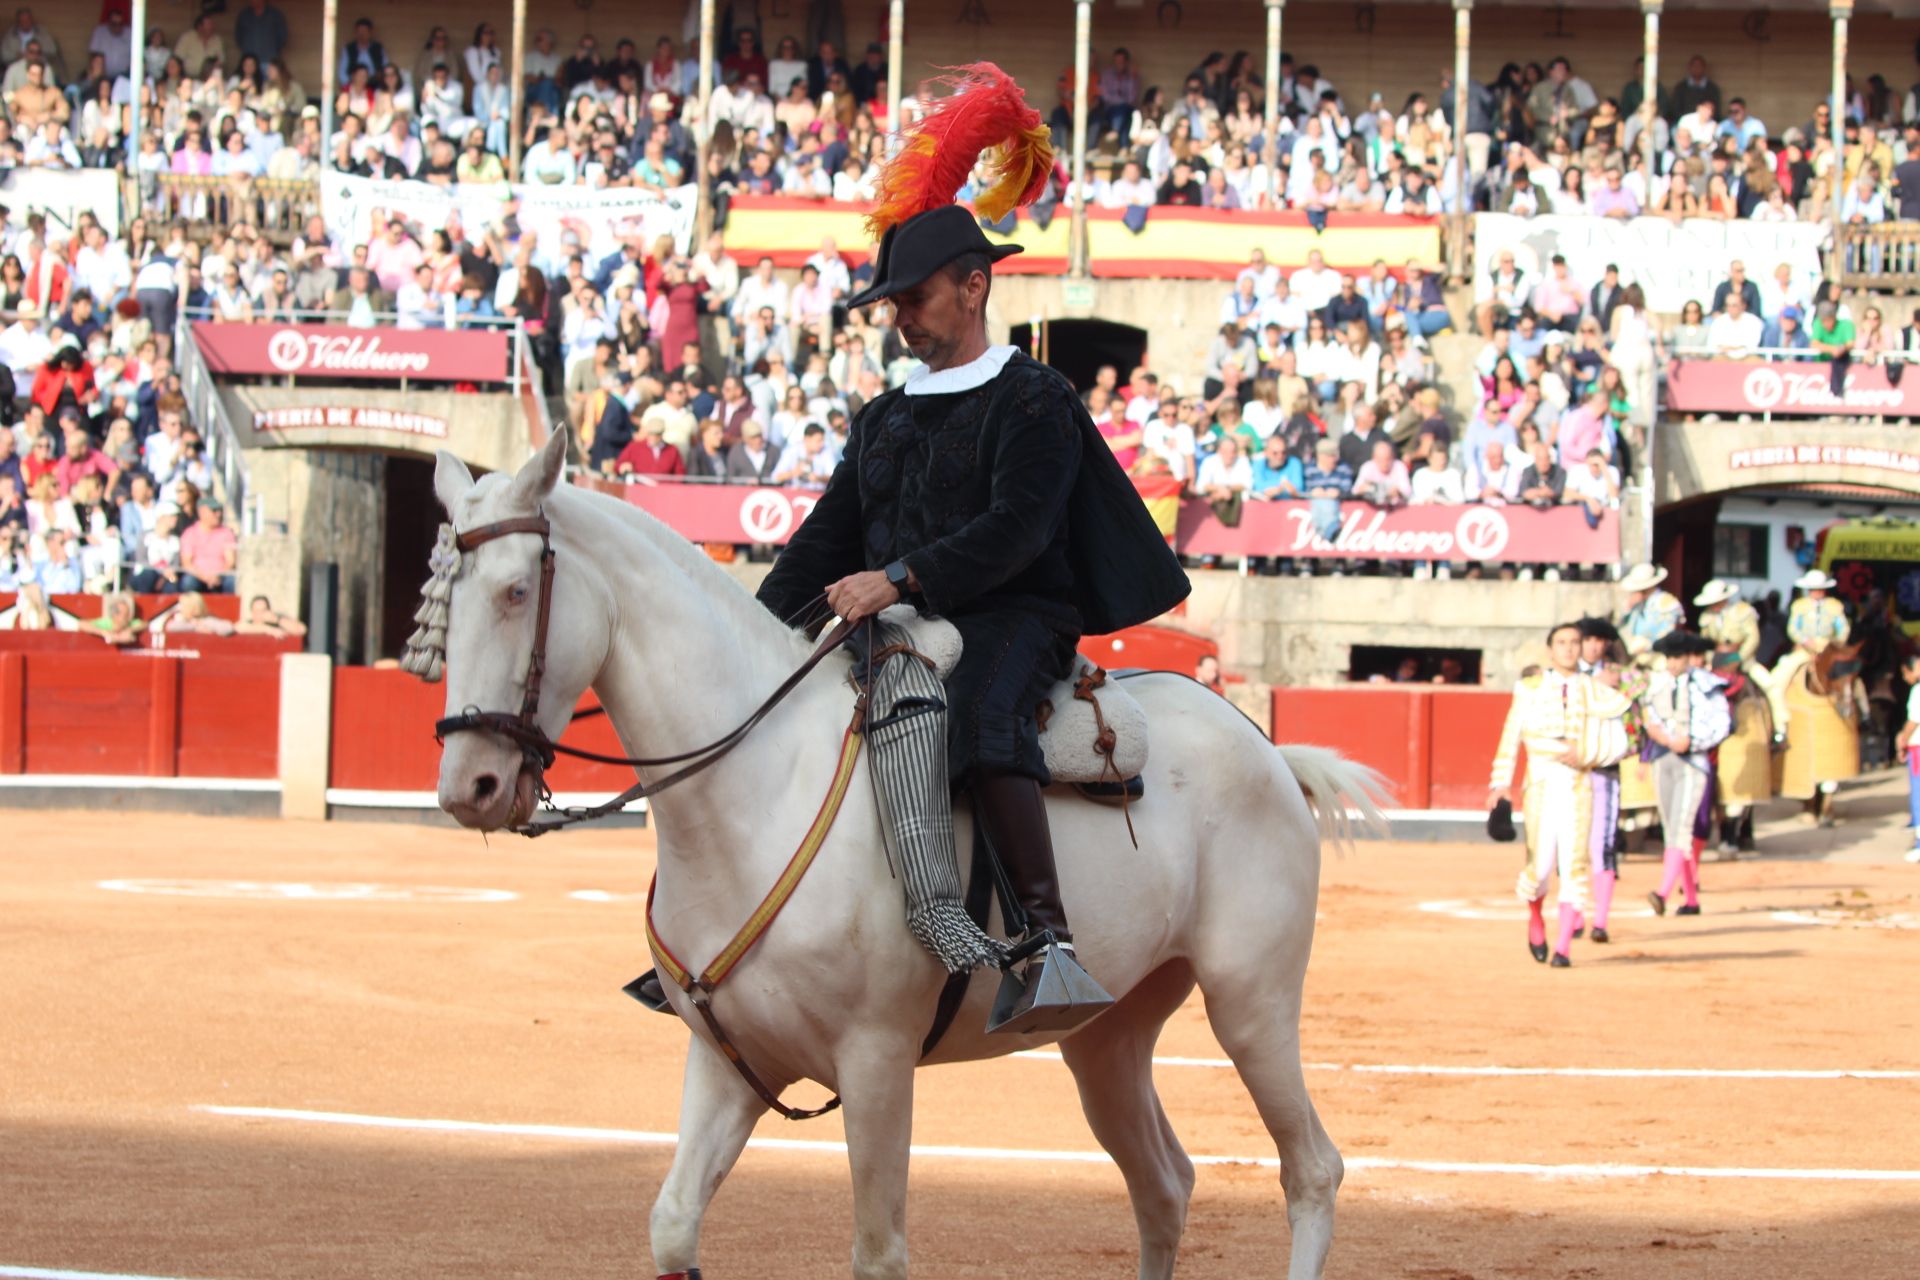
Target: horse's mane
[{"x": 706, "y": 578}]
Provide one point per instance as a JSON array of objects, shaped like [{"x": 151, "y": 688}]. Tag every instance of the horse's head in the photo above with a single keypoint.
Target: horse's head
[{"x": 493, "y": 612}]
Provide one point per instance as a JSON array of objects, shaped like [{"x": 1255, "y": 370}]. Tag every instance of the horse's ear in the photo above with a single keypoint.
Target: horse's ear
[
  {"x": 451, "y": 479},
  {"x": 542, "y": 471}
]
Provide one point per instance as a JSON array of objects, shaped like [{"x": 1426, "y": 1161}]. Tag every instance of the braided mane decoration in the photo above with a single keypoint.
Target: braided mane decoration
[
  {"x": 984, "y": 112},
  {"x": 426, "y": 654}
]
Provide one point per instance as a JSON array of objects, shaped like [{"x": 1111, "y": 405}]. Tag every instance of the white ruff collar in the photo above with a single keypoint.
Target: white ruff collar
[{"x": 962, "y": 377}]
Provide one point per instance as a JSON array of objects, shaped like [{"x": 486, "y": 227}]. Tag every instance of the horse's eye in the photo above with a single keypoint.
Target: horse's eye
[{"x": 517, "y": 593}]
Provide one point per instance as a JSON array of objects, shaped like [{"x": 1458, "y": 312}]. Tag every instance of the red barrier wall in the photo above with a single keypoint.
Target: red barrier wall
[
  {"x": 148, "y": 607},
  {"x": 1153, "y": 647},
  {"x": 383, "y": 737},
  {"x": 106, "y": 713},
  {"x": 1435, "y": 744}
]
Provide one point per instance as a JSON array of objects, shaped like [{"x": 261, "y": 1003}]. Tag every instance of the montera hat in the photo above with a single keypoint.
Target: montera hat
[
  {"x": 1677, "y": 643},
  {"x": 1643, "y": 577},
  {"x": 1718, "y": 591},
  {"x": 919, "y": 227},
  {"x": 1597, "y": 629}
]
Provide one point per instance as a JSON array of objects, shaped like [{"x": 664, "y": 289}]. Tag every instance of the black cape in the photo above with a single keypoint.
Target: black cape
[{"x": 990, "y": 473}]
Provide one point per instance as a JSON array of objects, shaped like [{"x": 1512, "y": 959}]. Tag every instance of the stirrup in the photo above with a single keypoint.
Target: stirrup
[
  {"x": 1056, "y": 995},
  {"x": 650, "y": 991}
]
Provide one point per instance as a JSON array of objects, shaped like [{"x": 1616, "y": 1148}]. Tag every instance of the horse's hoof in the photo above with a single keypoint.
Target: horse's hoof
[
  {"x": 1658, "y": 903},
  {"x": 1559, "y": 961},
  {"x": 1538, "y": 950},
  {"x": 1600, "y": 935},
  {"x": 1687, "y": 911}
]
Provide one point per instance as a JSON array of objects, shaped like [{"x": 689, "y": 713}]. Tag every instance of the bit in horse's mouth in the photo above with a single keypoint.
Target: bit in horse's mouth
[{"x": 523, "y": 799}]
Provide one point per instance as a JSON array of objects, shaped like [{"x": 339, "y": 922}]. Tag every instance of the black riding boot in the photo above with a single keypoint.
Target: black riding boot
[
  {"x": 1053, "y": 993},
  {"x": 1013, "y": 809}
]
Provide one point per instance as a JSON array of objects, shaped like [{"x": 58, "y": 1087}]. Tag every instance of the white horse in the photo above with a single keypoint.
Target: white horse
[{"x": 1220, "y": 891}]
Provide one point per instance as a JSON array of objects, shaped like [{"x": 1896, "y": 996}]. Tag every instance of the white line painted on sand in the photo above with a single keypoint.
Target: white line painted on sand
[
  {"x": 308, "y": 891},
  {"x": 1600, "y": 1073},
  {"x": 583, "y": 1133},
  {"x": 57, "y": 1273}
]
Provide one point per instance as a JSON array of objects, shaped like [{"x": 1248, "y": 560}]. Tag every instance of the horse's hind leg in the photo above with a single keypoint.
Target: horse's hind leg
[
  {"x": 1112, "y": 1063},
  {"x": 1253, "y": 1004},
  {"x": 717, "y": 1114}
]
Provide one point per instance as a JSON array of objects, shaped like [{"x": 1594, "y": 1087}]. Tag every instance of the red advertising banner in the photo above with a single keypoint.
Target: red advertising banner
[
  {"x": 1802, "y": 387},
  {"x": 1519, "y": 535},
  {"x": 1514, "y": 535},
  {"x": 337, "y": 351}
]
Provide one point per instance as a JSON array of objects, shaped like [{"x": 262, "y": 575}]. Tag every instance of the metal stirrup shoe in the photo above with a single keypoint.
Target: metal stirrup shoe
[
  {"x": 1055, "y": 993},
  {"x": 649, "y": 991}
]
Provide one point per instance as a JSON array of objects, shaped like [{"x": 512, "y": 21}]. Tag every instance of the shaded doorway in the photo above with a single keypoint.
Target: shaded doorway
[
  {"x": 412, "y": 520},
  {"x": 1078, "y": 348}
]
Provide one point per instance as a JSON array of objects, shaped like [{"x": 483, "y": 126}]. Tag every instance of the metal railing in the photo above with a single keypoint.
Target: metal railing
[
  {"x": 1883, "y": 256},
  {"x": 207, "y": 411},
  {"x": 1796, "y": 354},
  {"x": 278, "y": 207}
]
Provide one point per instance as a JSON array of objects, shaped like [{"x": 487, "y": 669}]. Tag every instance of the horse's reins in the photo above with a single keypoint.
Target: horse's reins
[{"x": 539, "y": 752}]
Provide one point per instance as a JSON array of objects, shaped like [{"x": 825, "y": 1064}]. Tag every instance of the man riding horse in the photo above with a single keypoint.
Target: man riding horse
[{"x": 981, "y": 492}]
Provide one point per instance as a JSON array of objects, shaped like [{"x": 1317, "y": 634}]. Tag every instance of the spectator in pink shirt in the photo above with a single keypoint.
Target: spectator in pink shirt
[
  {"x": 82, "y": 459},
  {"x": 1613, "y": 200},
  {"x": 1584, "y": 429},
  {"x": 208, "y": 550},
  {"x": 394, "y": 257},
  {"x": 1383, "y": 480},
  {"x": 1556, "y": 300}
]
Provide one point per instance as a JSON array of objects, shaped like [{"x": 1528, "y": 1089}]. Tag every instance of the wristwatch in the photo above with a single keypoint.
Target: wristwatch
[{"x": 897, "y": 574}]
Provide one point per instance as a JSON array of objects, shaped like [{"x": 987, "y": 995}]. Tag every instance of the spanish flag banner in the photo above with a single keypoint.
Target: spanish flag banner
[{"x": 1161, "y": 493}]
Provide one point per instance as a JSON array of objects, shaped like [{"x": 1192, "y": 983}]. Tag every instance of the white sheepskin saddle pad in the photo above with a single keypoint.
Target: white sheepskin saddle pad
[{"x": 1069, "y": 735}]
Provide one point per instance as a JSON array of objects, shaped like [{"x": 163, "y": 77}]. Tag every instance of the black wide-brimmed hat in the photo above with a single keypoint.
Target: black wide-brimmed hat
[
  {"x": 920, "y": 246},
  {"x": 1677, "y": 643}
]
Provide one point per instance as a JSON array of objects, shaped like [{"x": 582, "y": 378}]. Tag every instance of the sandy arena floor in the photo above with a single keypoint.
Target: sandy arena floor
[{"x": 158, "y": 970}]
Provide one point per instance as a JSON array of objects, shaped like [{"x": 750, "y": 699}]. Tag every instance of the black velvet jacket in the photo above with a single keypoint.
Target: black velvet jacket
[{"x": 1001, "y": 494}]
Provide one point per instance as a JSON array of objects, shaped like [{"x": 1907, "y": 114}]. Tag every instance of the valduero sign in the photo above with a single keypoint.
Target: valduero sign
[{"x": 340, "y": 351}]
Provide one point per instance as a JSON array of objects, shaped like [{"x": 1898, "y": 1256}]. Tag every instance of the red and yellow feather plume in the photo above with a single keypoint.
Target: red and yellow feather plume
[{"x": 985, "y": 111}]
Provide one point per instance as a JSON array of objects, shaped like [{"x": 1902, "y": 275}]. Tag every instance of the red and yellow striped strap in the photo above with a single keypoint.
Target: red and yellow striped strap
[{"x": 770, "y": 906}]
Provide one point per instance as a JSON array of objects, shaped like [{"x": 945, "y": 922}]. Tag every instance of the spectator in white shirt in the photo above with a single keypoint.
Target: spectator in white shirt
[
  {"x": 760, "y": 290},
  {"x": 25, "y": 346},
  {"x": 1129, "y": 189},
  {"x": 1735, "y": 330},
  {"x": 1284, "y": 308},
  {"x": 832, "y": 268},
  {"x": 1383, "y": 478},
  {"x": 1499, "y": 479},
  {"x": 1594, "y": 484},
  {"x": 1316, "y": 283},
  {"x": 1167, "y": 437},
  {"x": 1225, "y": 474},
  {"x": 419, "y": 306},
  {"x": 1358, "y": 360},
  {"x": 1437, "y": 483},
  {"x": 1782, "y": 291},
  {"x": 1264, "y": 275}
]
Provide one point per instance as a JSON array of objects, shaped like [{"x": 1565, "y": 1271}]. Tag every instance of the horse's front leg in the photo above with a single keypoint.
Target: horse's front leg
[
  {"x": 717, "y": 1113},
  {"x": 876, "y": 1084}
]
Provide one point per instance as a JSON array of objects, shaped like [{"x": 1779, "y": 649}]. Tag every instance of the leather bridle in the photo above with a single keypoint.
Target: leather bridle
[{"x": 538, "y": 751}]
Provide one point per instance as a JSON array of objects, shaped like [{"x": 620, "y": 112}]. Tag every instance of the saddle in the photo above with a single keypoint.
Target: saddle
[{"x": 1093, "y": 733}]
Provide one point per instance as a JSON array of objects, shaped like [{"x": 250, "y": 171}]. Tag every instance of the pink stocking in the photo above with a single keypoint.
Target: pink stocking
[
  {"x": 1536, "y": 924},
  {"x": 1568, "y": 919},
  {"x": 1602, "y": 898},
  {"x": 1690, "y": 877},
  {"x": 1676, "y": 859}
]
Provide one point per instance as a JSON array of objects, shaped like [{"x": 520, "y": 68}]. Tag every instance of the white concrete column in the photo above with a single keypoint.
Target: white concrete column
[
  {"x": 329, "y": 77},
  {"x": 306, "y": 733},
  {"x": 1082, "y": 65},
  {"x": 1462, "y": 47},
  {"x": 1271, "y": 133},
  {"x": 703, "y": 138},
  {"x": 1650, "y": 87},
  {"x": 137, "y": 74},
  {"x": 896, "y": 54},
  {"x": 1842, "y": 12},
  {"x": 517, "y": 90}
]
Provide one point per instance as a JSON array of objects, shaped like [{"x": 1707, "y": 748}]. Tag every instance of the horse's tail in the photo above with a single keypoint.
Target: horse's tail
[{"x": 1346, "y": 796}]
